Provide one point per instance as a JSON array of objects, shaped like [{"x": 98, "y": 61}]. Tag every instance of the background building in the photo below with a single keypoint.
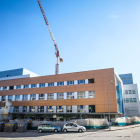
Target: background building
[
  {"x": 63, "y": 96},
  {"x": 130, "y": 96}
]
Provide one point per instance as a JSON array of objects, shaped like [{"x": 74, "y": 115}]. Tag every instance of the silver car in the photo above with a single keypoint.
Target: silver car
[
  {"x": 48, "y": 127},
  {"x": 73, "y": 127}
]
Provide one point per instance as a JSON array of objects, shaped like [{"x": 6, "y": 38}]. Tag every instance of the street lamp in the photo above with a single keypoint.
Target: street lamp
[{"x": 108, "y": 103}]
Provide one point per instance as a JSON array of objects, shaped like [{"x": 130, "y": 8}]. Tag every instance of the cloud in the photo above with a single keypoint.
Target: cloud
[{"x": 113, "y": 16}]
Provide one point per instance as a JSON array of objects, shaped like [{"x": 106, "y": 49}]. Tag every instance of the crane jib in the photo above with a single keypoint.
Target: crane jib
[{"x": 53, "y": 39}]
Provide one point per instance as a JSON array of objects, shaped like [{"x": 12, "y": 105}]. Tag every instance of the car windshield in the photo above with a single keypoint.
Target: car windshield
[{"x": 78, "y": 125}]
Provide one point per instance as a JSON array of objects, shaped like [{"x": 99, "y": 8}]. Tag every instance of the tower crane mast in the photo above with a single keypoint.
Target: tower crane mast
[{"x": 58, "y": 58}]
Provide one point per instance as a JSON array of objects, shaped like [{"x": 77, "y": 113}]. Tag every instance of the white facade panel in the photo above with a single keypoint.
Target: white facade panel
[
  {"x": 65, "y": 83},
  {"x": 29, "y": 97},
  {"x": 21, "y": 96},
  {"x": 65, "y": 109},
  {"x": 74, "y": 109},
  {"x": 75, "y": 82},
  {"x": 20, "y": 108},
  {"x": 36, "y": 109},
  {"x": 55, "y": 96},
  {"x": 14, "y": 97},
  {"x": 6, "y": 97},
  {"x": 87, "y": 94},
  {"x": 27, "y": 108},
  {"x": 37, "y": 96},
  {"x": 45, "y": 96},
  {"x": 54, "y": 109},
  {"x": 55, "y": 83},
  {"x": 45, "y": 109},
  {"x": 75, "y": 95},
  {"x": 129, "y": 107},
  {"x": 65, "y": 95},
  {"x": 46, "y": 84},
  {"x": 86, "y": 81}
]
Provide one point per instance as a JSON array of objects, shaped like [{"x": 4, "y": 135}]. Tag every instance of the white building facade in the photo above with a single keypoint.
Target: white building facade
[{"x": 130, "y": 96}]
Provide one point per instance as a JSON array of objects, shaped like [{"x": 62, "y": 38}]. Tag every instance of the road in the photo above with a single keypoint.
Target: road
[{"x": 126, "y": 134}]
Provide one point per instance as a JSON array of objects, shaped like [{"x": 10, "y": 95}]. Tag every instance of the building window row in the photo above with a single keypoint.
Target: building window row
[
  {"x": 130, "y": 92},
  {"x": 130, "y": 100},
  {"x": 49, "y": 84},
  {"x": 50, "y": 96},
  {"x": 50, "y": 109},
  {"x": 131, "y": 109}
]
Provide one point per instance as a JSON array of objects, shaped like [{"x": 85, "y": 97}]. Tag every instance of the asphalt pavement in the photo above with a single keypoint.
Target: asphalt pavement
[{"x": 123, "y": 134}]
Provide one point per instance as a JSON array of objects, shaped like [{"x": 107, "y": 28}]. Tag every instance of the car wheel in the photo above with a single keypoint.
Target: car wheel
[
  {"x": 65, "y": 130},
  {"x": 80, "y": 130},
  {"x": 55, "y": 130},
  {"x": 40, "y": 130}
]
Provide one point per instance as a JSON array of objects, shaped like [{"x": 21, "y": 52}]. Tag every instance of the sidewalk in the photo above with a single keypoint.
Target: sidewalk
[{"x": 114, "y": 128}]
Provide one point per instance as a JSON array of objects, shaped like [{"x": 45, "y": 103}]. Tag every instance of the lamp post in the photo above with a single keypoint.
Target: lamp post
[{"x": 108, "y": 103}]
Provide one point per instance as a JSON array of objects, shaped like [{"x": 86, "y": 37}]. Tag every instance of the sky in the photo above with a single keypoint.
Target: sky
[{"x": 90, "y": 34}]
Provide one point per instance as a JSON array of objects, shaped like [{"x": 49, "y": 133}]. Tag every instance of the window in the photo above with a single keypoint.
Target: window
[
  {"x": 126, "y": 100},
  {"x": 130, "y": 91},
  {"x": 82, "y": 108},
  {"x": 17, "y": 98},
  {"x": 70, "y": 82},
  {"x": 50, "y": 109},
  {"x": 70, "y": 95},
  {"x": 3, "y": 98},
  {"x": 60, "y": 96},
  {"x": 16, "y": 109},
  {"x": 91, "y": 108},
  {"x": 131, "y": 109},
  {"x": 25, "y": 97},
  {"x": 50, "y": 96},
  {"x": 32, "y": 108},
  {"x": 134, "y": 109},
  {"x": 41, "y": 96},
  {"x": 40, "y": 108},
  {"x": 91, "y": 94},
  {"x": 42, "y": 85},
  {"x": 11, "y": 87},
  {"x": 50, "y": 84},
  {"x": 134, "y": 100},
  {"x": 10, "y": 98},
  {"x": 69, "y": 109},
  {"x": 18, "y": 87},
  {"x": 90, "y": 81},
  {"x": 131, "y": 100},
  {"x": 69, "y": 124},
  {"x": 81, "y": 81},
  {"x": 33, "y": 85},
  {"x": 126, "y": 91},
  {"x": 133, "y": 92},
  {"x": 4, "y": 88},
  {"x": 24, "y": 108},
  {"x": 60, "y": 109},
  {"x": 33, "y": 97},
  {"x": 81, "y": 95},
  {"x": 26, "y": 86},
  {"x": 60, "y": 83}
]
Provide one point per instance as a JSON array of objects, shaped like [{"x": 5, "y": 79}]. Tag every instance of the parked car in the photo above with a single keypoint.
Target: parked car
[
  {"x": 48, "y": 127},
  {"x": 73, "y": 127}
]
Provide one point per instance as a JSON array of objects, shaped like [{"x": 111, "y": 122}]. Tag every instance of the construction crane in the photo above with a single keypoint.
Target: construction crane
[{"x": 58, "y": 58}]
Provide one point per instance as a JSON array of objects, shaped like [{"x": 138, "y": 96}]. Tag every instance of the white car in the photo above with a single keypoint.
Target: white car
[{"x": 73, "y": 127}]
